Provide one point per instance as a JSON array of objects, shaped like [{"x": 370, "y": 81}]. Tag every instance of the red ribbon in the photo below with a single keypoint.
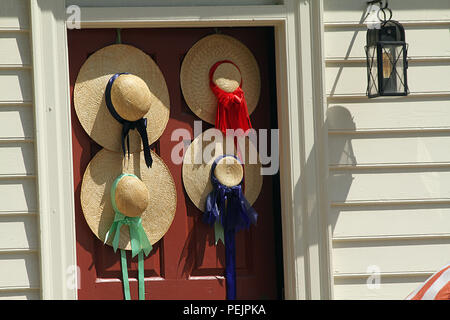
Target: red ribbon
[{"x": 232, "y": 112}]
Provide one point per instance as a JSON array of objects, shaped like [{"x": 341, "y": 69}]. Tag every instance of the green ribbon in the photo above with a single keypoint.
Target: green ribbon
[
  {"x": 138, "y": 238},
  {"x": 218, "y": 232}
]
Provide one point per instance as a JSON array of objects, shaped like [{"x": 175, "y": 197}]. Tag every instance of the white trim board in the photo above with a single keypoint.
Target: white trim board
[
  {"x": 53, "y": 148},
  {"x": 300, "y": 70}
]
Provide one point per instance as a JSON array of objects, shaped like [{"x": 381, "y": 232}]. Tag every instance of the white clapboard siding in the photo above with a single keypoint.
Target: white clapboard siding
[
  {"x": 19, "y": 226},
  {"x": 16, "y": 122},
  {"x": 164, "y": 3},
  {"x": 14, "y": 15},
  {"x": 388, "y": 158},
  {"x": 18, "y": 195},
  {"x": 368, "y": 287},
  {"x": 15, "y": 49},
  {"x": 19, "y": 270},
  {"x": 16, "y": 85},
  {"x": 351, "y": 79},
  {"x": 343, "y": 11},
  {"x": 348, "y": 42},
  {"x": 392, "y": 222},
  {"x": 18, "y": 232},
  {"x": 401, "y": 256},
  {"x": 396, "y": 185},
  {"x": 17, "y": 159},
  {"x": 30, "y": 294},
  {"x": 374, "y": 149},
  {"x": 397, "y": 114}
]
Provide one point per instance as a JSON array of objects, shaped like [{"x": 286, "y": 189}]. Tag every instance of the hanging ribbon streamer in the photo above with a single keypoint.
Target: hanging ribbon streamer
[
  {"x": 232, "y": 112},
  {"x": 140, "y": 244},
  {"x": 229, "y": 211},
  {"x": 140, "y": 125}
]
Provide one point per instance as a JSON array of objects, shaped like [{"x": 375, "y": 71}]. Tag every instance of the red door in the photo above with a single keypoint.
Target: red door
[{"x": 185, "y": 264}]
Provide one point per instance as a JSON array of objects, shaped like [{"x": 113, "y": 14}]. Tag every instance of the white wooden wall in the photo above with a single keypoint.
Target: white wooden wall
[
  {"x": 389, "y": 159},
  {"x": 19, "y": 254}
]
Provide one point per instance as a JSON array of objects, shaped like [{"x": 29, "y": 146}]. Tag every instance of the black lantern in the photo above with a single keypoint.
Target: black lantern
[{"x": 386, "y": 53}]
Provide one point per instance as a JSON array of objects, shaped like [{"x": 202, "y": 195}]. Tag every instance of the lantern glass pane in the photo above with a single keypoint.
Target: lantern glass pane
[
  {"x": 392, "y": 69},
  {"x": 372, "y": 74}
]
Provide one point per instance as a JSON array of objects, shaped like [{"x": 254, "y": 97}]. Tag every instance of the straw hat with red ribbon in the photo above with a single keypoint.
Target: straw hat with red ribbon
[{"x": 220, "y": 80}]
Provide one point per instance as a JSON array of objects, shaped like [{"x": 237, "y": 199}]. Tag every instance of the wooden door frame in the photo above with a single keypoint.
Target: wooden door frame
[{"x": 301, "y": 106}]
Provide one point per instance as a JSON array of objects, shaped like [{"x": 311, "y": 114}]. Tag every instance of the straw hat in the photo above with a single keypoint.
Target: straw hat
[
  {"x": 153, "y": 195},
  {"x": 195, "y": 69},
  {"x": 201, "y": 154},
  {"x": 141, "y": 93}
]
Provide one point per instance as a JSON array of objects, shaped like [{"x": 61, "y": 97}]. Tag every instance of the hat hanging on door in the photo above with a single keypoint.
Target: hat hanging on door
[
  {"x": 95, "y": 196},
  {"x": 196, "y": 170},
  {"x": 220, "y": 80},
  {"x": 120, "y": 88},
  {"x": 125, "y": 211},
  {"x": 224, "y": 187}
]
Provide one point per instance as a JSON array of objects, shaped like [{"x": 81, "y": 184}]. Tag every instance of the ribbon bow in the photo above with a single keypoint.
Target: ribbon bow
[
  {"x": 140, "y": 125},
  {"x": 232, "y": 112},
  {"x": 229, "y": 211},
  {"x": 138, "y": 238}
]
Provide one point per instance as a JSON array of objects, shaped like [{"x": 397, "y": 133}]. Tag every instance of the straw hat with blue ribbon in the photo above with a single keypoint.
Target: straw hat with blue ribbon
[
  {"x": 224, "y": 184},
  {"x": 120, "y": 88},
  {"x": 196, "y": 170}
]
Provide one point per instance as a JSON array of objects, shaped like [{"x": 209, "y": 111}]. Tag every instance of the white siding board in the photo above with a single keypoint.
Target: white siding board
[
  {"x": 377, "y": 114},
  {"x": 14, "y": 14},
  {"x": 20, "y": 295},
  {"x": 18, "y": 195},
  {"x": 368, "y": 149},
  {"x": 16, "y": 85},
  {"x": 168, "y": 3},
  {"x": 351, "y": 79},
  {"x": 405, "y": 256},
  {"x": 411, "y": 10},
  {"x": 349, "y": 42},
  {"x": 15, "y": 49},
  {"x": 17, "y": 159},
  {"x": 379, "y": 185},
  {"x": 18, "y": 232},
  {"x": 16, "y": 122},
  {"x": 376, "y": 222},
  {"x": 389, "y": 288},
  {"x": 19, "y": 270}
]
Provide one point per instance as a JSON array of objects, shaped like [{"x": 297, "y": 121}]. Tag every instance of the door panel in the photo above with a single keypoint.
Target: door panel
[{"x": 185, "y": 263}]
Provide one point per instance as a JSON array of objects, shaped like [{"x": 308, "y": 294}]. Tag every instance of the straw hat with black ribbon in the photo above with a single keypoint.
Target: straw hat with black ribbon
[
  {"x": 120, "y": 88},
  {"x": 224, "y": 186},
  {"x": 128, "y": 205},
  {"x": 220, "y": 80}
]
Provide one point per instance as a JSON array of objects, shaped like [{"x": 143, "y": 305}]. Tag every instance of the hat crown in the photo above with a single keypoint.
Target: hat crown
[
  {"x": 131, "y": 196},
  {"x": 229, "y": 171},
  {"x": 227, "y": 77},
  {"x": 131, "y": 97}
]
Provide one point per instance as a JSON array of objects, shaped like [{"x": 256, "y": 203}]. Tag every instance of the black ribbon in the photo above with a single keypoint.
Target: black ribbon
[
  {"x": 230, "y": 208},
  {"x": 140, "y": 125}
]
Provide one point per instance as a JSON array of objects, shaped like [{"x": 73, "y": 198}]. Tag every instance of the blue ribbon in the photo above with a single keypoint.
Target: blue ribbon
[
  {"x": 228, "y": 208},
  {"x": 140, "y": 125}
]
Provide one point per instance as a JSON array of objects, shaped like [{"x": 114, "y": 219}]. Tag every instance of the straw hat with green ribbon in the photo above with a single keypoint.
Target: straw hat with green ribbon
[{"x": 154, "y": 193}]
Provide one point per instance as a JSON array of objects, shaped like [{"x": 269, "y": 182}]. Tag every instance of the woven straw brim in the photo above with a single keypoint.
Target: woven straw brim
[
  {"x": 197, "y": 170},
  {"x": 98, "y": 178},
  {"x": 89, "y": 95},
  {"x": 195, "y": 68}
]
